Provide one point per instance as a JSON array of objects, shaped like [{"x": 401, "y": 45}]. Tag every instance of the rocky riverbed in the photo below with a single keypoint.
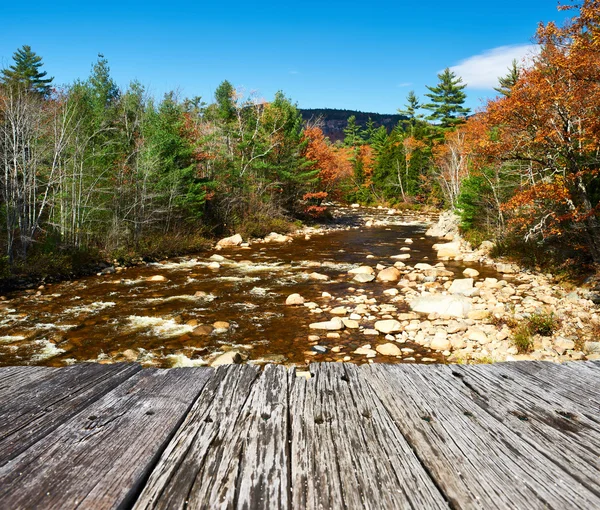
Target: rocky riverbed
[{"x": 377, "y": 286}]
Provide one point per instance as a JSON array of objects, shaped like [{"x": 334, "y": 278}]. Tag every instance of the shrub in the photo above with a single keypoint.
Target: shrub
[
  {"x": 542, "y": 324},
  {"x": 522, "y": 339}
]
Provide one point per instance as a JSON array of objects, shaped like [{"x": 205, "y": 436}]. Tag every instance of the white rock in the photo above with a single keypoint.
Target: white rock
[
  {"x": 364, "y": 278},
  {"x": 388, "y": 349},
  {"x": 234, "y": 240},
  {"x": 294, "y": 299},
  {"x": 471, "y": 273},
  {"x": 447, "y": 250},
  {"x": 462, "y": 286},
  {"x": 388, "y": 326},
  {"x": 157, "y": 278},
  {"x": 334, "y": 324},
  {"x": 319, "y": 277},
  {"x": 453, "y": 306}
]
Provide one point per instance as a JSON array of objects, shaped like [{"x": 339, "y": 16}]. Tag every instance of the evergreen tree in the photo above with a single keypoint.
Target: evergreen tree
[
  {"x": 447, "y": 99},
  {"x": 411, "y": 107},
  {"x": 369, "y": 131},
  {"x": 26, "y": 73},
  {"x": 352, "y": 132},
  {"x": 225, "y": 99},
  {"x": 508, "y": 81}
]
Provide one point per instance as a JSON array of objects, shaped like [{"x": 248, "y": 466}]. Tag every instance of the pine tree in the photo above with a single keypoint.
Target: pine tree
[
  {"x": 411, "y": 107},
  {"x": 509, "y": 81},
  {"x": 352, "y": 133},
  {"x": 447, "y": 100},
  {"x": 26, "y": 73}
]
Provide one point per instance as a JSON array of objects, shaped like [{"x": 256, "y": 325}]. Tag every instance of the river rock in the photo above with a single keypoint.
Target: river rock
[
  {"x": 422, "y": 266},
  {"x": 227, "y": 358},
  {"x": 320, "y": 349},
  {"x": 453, "y": 306},
  {"x": 222, "y": 325},
  {"x": 355, "y": 206},
  {"x": 214, "y": 265},
  {"x": 319, "y": 277},
  {"x": 277, "y": 238},
  {"x": 501, "y": 267},
  {"x": 364, "y": 351},
  {"x": 440, "y": 343},
  {"x": 389, "y": 274},
  {"x": 447, "y": 251},
  {"x": 294, "y": 299},
  {"x": 388, "y": 349},
  {"x": 334, "y": 324},
  {"x": 477, "y": 335},
  {"x": 157, "y": 278},
  {"x": 217, "y": 258},
  {"x": 562, "y": 344},
  {"x": 362, "y": 270},
  {"x": 234, "y": 240},
  {"x": 364, "y": 278},
  {"x": 471, "y": 273},
  {"x": 388, "y": 326},
  {"x": 462, "y": 286},
  {"x": 351, "y": 323},
  {"x": 202, "y": 330}
]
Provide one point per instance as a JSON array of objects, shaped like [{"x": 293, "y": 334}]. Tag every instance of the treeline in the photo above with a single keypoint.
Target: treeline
[
  {"x": 525, "y": 170},
  {"x": 92, "y": 169}
]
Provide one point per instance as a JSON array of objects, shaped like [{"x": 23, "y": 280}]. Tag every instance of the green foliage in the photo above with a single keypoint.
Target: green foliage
[
  {"x": 509, "y": 81},
  {"x": 447, "y": 99},
  {"x": 25, "y": 73},
  {"x": 522, "y": 340},
  {"x": 542, "y": 323},
  {"x": 469, "y": 202}
]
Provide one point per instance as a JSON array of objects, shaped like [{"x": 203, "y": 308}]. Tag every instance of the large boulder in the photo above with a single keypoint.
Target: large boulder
[
  {"x": 462, "y": 286},
  {"x": 447, "y": 251},
  {"x": 389, "y": 274},
  {"x": 452, "y": 305},
  {"x": 234, "y": 240}
]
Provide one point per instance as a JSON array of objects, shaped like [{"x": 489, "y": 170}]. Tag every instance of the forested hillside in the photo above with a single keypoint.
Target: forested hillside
[
  {"x": 333, "y": 121},
  {"x": 90, "y": 170}
]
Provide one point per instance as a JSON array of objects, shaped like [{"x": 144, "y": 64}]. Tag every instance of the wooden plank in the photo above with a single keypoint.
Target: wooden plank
[
  {"x": 579, "y": 387},
  {"x": 199, "y": 468},
  {"x": 540, "y": 417},
  {"x": 12, "y": 378},
  {"x": 477, "y": 461},
  {"x": 101, "y": 457},
  {"x": 37, "y": 408},
  {"x": 346, "y": 450}
]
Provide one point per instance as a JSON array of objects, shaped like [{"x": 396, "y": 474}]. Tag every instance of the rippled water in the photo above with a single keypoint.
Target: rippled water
[{"x": 124, "y": 317}]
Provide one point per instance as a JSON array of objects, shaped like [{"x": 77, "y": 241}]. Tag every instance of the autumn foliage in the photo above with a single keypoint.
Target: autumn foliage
[
  {"x": 333, "y": 163},
  {"x": 547, "y": 131}
]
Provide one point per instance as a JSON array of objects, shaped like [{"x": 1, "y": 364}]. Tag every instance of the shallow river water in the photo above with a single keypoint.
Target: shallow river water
[{"x": 125, "y": 317}]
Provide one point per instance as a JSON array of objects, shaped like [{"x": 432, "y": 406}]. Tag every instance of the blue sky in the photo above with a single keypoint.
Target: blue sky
[{"x": 355, "y": 55}]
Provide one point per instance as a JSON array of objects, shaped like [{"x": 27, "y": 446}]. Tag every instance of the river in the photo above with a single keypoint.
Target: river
[{"x": 125, "y": 317}]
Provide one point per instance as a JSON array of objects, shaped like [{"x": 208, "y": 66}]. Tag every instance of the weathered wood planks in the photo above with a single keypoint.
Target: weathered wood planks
[
  {"x": 347, "y": 451},
  {"x": 509, "y": 435},
  {"x": 33, "y": 410},
  {"x": 101, "y": 456},
  {"x": 477, "y": 460}
]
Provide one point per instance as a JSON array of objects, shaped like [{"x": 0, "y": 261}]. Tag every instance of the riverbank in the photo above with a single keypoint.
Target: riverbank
[{"x": 375, "y": 286}]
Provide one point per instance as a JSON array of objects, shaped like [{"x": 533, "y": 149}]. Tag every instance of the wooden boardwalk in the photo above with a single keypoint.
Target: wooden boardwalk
[{"x": 510, "y": 435}]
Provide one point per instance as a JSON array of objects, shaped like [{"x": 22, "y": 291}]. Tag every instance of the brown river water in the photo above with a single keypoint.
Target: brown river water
[{"x": 124, "y": 317}]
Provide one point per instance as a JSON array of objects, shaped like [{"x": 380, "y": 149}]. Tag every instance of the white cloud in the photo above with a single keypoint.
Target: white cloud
[
  {"x": 294, "y": 72},
  {"x": 482, "y": 71},
  {"x": 404, "y": 84}
]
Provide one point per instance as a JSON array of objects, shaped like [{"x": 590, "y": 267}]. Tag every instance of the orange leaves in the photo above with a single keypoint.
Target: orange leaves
[{"x": 333, "y": 163}]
